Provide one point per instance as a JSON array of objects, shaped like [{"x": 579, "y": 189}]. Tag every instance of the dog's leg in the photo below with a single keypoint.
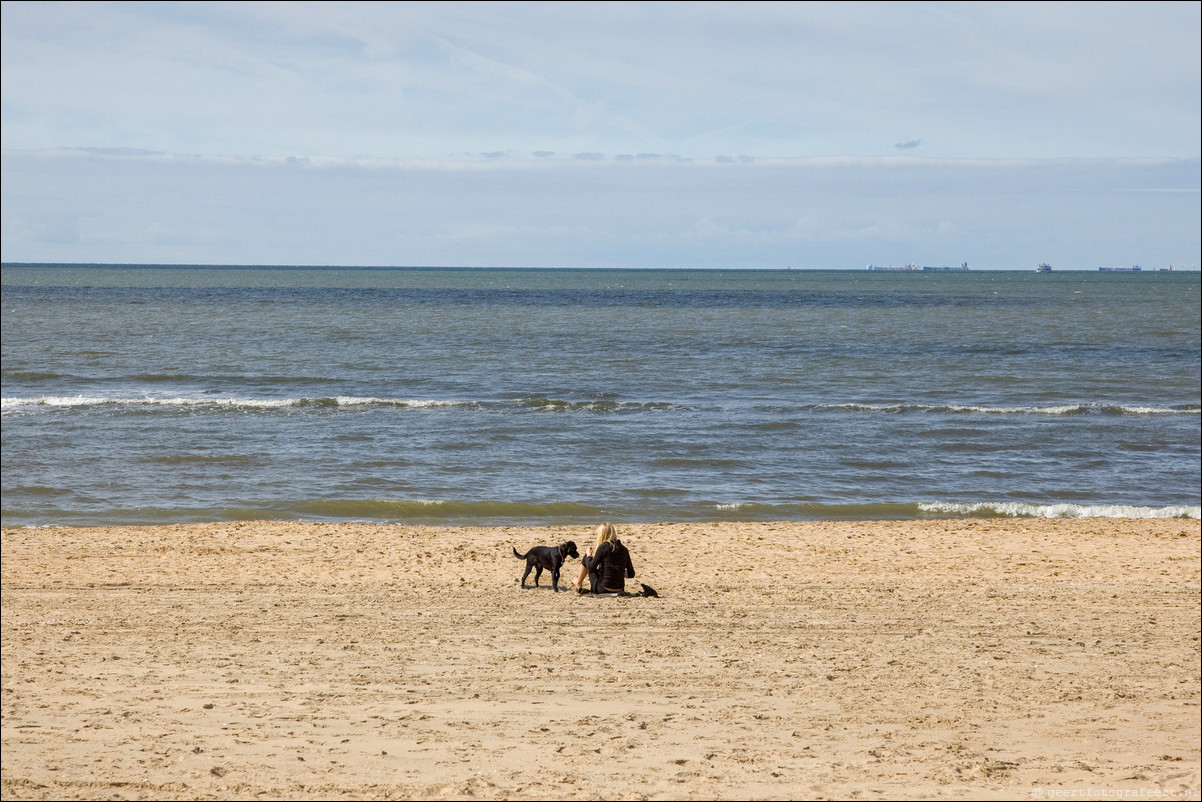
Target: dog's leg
[
  {"x": 538, "y": 571},
  {"x": 555, "y": 579},
  {"x": 528, "y": 567}
]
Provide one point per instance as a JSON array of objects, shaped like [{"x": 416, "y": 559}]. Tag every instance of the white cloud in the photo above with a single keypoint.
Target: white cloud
[{"x": 405, "y": 80}]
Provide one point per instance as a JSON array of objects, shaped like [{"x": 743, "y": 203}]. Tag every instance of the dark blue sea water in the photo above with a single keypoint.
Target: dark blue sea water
[{"x": 151, "y": 395}]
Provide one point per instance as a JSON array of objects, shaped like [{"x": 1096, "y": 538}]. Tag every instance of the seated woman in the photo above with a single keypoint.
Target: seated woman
[{"x": 607, "y": 565}]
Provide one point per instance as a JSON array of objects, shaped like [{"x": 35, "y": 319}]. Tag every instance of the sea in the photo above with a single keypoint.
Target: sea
[{"x": 140, "y": 395}]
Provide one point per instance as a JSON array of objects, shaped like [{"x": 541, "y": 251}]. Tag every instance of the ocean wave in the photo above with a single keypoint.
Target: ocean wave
[
  {"x": 32, "y": 376},
  {"x": 905, "y": 511},
  {"x": 533, "y": 404},
  {"x": 1026, "y": 510},
  {"x": 1056, "y": 409},
  {"x": 541, "y": 404},
  {"x": 8, "y": 405},
  {"x": 38, "y": 506}
]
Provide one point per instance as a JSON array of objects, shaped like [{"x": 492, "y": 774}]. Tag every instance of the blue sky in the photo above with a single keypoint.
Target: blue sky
[{"x": 714, "y": 134}]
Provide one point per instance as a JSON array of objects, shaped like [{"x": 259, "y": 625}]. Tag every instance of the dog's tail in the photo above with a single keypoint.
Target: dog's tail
[{"x": 519, "y": 556}]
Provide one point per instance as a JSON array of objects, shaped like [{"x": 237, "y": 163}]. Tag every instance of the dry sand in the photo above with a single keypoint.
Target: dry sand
[{"x": 979, "y": 659}]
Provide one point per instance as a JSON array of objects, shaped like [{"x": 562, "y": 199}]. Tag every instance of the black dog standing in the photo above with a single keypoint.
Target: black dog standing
[{"x": 549, "y": 557}]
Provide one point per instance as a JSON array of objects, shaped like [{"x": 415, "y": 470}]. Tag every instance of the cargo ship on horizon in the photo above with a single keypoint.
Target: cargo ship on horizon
[{"x": 907, "y": 268}]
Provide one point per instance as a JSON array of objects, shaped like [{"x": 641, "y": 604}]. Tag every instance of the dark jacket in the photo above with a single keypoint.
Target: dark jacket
[{"x": 610, "y": 567}]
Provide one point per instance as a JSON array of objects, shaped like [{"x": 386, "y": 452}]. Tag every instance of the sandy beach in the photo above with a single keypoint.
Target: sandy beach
[{"x": 962, "y": 659}]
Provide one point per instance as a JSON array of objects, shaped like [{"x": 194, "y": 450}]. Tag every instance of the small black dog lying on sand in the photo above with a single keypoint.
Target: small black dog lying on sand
[{"x": 549, "y": 557}]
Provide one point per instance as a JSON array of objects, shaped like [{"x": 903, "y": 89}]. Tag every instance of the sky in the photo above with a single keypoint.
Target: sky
[{"x": 606, "y": 134}]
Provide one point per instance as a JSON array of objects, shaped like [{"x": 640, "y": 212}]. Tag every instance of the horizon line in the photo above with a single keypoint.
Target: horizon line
[{"x": 236, "y": 266}]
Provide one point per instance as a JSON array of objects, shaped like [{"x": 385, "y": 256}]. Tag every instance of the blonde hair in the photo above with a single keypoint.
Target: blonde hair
[{"x": 605, "y": 532}]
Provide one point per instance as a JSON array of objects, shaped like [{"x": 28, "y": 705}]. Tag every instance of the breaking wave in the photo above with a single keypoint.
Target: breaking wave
[
  {"x": 1024, "y": 510},
  {"x": 1060, "y": 409},
  {"x": 543, "y": 404},
  {"x": 9, "y": 405},
  {"x": 33, "y": 506},
  {"x": 535, "y": 403}
]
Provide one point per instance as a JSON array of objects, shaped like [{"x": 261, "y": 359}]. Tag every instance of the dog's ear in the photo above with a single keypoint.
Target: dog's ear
[{"x": 649, "y": 592}]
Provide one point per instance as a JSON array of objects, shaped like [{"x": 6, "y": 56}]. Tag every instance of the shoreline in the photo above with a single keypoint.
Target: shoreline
[
  {"x": 953, "y": 658},
  {"x": 493, "y": 515}
]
